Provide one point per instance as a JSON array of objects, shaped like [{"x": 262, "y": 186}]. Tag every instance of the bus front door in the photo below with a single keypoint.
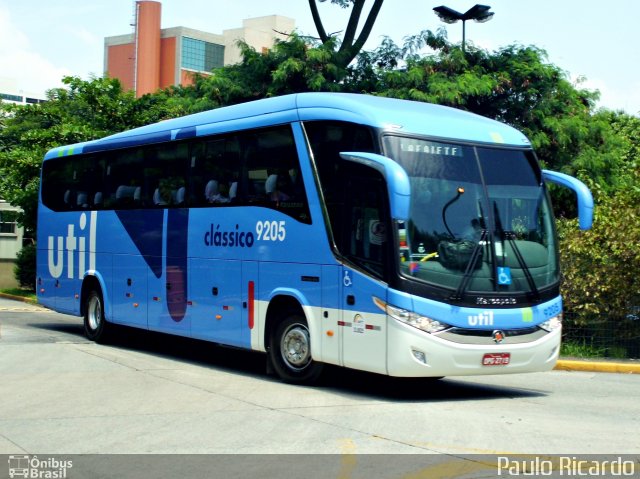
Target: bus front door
[
  {"x": 364, "y": 245},
  {"x": 364, "y": 343}
]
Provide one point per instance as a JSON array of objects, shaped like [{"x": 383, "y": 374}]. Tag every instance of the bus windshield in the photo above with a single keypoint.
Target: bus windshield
[{"x": 480, "y": 220}]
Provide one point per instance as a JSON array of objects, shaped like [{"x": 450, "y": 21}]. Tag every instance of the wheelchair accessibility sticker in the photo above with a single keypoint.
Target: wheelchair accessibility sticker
[
  {"x": 347, "y": 279},
  {"x": 504, "y": 276}
]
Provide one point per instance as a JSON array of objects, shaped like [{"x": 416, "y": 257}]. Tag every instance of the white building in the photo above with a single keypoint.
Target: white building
[
  {"x": 261, "y": 33},
  {"x": 11, "y": 93},
  {"x": 10, "y": 244}
]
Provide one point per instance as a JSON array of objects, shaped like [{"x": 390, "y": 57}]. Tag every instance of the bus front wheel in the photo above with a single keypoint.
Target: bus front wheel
[
  {"x": 95, "y": 324},
  {"x": 290, "y": 351}
]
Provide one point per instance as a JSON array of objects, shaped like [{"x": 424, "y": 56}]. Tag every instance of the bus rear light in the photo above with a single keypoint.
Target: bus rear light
[{"x": 418, "y": 321}]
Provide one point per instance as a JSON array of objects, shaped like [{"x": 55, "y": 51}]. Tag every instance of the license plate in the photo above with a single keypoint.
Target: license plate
[{"x": 496, "y": 359}]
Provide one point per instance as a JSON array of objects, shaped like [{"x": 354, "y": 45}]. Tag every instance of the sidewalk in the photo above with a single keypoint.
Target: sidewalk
[{"x": 568, "y": 364}]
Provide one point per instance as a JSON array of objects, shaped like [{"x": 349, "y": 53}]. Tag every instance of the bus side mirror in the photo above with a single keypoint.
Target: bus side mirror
[
  {"x": 396, "y": 177},
  {"x": 585, "y": 199}
]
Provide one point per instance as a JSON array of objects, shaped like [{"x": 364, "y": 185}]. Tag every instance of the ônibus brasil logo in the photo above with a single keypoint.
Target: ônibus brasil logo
[{"x": 32, "y": 467}]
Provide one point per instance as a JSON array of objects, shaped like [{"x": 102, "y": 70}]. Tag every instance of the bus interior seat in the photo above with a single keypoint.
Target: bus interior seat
[
  {"x": 233, "y": 191},
  {"x": 211, "y": 190},
  {"x": 82, "y": 199},
  {"x": 127, "y": 195},
  {"x": 179, "y": 195},
  {"x": 69, "y": 199},
  {"x": 157, "y": 199},
  {"x": 271, "y": 185},
  {"x": 213, "y": 194}
]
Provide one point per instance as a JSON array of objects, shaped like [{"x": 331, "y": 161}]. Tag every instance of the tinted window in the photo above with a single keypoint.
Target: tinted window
[
  {"x": 354, "y": 195},
  {"x": 256, "y": 167}
]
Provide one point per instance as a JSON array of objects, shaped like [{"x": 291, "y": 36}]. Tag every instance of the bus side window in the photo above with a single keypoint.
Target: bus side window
[
  {"x": 165, "y": 171},
  {"x": 272, "y": 175},
  {"x": 125, "y": 177},
  {"x": 215, "y": 169},
  {"x": 71, "y": 183}
]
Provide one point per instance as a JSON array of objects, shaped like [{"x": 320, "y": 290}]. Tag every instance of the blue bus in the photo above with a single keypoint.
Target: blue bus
[{"x": 384, "y": 235}]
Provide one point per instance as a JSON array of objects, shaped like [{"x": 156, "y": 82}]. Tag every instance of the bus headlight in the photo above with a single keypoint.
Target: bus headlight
[
  {"x": 552, "y": 324},
  {"x": 419, "y": 321}
]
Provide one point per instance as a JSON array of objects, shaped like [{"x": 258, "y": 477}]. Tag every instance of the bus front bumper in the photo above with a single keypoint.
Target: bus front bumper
[{"x": 414, "y": 353}]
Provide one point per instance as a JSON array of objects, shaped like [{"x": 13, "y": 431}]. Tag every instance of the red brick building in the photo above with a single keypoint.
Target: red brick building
[{"x": 151, "y": 58}]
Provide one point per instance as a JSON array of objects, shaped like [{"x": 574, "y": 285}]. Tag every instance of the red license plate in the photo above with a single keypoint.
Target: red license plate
[{"x": 496, "y": 359}]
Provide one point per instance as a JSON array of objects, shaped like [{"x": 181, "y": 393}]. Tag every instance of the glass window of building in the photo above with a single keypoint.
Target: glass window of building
[{"x": 200, "y": 55}]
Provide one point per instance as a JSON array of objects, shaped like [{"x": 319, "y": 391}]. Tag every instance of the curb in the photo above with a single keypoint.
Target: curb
[
  {"x": 597, "y": 366},
  {"x": 18, "y": 298}
]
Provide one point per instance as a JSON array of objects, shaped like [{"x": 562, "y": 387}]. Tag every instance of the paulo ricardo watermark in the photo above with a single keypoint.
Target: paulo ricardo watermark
[{"x": 567, "y": 466}]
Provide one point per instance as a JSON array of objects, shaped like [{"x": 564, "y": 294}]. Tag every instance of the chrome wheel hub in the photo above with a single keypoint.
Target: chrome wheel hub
[
  {"x": 94, "y": 313},
  {"x": 295, "y": 346}
]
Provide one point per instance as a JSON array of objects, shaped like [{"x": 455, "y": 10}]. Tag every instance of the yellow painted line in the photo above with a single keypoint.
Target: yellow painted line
[{"x": 597, "y": 366}]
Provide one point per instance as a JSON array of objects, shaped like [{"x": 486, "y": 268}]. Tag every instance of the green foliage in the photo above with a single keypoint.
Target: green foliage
[
  {"x": 601, "y": 265},
  {"x": 582, "y": 350},
  {"x": 293, "y": 66},
  {"x": 25, "y": 268},
  {"x": 28, "y": 295},
  {"x": 515, "y": 85},
  {"x": 83, "y": 110}
]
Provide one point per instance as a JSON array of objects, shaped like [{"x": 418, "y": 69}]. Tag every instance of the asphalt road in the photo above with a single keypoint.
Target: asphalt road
[{"x": 149, "y": 393}]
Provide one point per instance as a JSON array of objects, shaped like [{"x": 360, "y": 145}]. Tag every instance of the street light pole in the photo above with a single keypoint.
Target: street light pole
[{"x": 477, "y": 13}]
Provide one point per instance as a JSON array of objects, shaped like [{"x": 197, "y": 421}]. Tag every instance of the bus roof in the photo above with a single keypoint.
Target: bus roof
[{"x": 401, "y": 116}]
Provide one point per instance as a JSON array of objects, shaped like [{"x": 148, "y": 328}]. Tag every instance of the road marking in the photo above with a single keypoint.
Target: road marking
[{"x": 26, "y": 309}]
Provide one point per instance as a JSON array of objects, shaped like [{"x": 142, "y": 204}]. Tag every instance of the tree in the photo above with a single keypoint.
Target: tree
[
  {"x": 352, "y": 43},
  {"x": 600, "y": 281},
  {"x": 82, "y": 111},
  {"x": 292, "y": 66},
  {"x": 515, "y": 85}
]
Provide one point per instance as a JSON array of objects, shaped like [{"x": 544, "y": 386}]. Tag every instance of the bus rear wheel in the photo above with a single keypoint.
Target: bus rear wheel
[
  {"x": 95, "y": 324},
  {"x": 290, "y": 351}
]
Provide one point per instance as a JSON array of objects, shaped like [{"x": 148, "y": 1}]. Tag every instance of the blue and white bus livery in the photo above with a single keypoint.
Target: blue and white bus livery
[{"x": 390, "y": 236}]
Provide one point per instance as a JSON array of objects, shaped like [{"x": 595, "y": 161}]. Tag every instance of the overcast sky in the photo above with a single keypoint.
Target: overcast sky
[{"x": 43, "y": 40}]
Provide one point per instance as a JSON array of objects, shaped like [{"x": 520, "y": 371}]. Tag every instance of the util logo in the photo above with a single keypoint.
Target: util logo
[
  {"x": 72, "y": 243},
  {"x": 482, "y": 319}
]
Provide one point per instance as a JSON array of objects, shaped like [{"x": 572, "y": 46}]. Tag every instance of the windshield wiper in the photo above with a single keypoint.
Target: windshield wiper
[
  {"x": 510, "y": 236},
  {"x": 471, "y": 266}
]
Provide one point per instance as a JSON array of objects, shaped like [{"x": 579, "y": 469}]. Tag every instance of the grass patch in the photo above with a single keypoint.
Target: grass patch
[
  {"x": 584, "y": 350},
  {"x": 581, "y": 350},
  {"x": 23, "y": 293}
]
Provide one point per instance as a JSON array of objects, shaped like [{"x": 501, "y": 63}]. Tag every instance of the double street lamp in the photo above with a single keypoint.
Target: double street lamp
[{"x": 478, "y": 13}]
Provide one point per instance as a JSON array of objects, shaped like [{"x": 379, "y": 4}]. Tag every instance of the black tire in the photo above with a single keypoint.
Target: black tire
[
  {"x": 96, "y": 327},
  {"x": 290, "y": 351}
]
